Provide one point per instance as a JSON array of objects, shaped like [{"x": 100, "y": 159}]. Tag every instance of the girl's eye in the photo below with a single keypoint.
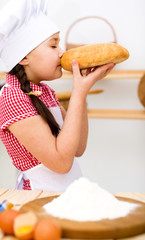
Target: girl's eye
[{"x": 54, "y": 46}]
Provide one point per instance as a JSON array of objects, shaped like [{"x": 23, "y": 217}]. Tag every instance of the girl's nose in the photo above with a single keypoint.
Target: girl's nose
[{"x": 61, "y": 52}]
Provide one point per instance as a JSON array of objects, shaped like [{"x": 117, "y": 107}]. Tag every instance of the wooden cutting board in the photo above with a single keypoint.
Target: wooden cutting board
[
  {"x": 141, "y": 90},
  {"x": 128, "y": 226}
]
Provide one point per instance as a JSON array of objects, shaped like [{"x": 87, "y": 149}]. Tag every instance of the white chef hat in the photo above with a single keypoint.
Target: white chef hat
[{"x": 23, "y": 26}]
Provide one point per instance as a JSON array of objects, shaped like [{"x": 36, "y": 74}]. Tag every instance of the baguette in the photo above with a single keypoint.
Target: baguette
[{"x": 94, "y": 55}]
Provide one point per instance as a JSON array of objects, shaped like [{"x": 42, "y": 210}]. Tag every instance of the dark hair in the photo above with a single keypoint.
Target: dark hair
[{"x": 41, "y": 108}]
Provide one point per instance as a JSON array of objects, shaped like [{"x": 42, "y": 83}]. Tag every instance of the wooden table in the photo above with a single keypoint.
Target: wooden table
[{"x": 20, "y": 197}]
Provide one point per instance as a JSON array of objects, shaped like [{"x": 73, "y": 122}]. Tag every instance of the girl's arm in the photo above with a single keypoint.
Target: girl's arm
[
  {"x": 84, "y": 131},
  {"x": 34, "y": 133}
]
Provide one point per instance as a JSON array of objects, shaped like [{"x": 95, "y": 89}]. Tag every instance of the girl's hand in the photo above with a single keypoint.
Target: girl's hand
[{"x": 82, "y": 84}]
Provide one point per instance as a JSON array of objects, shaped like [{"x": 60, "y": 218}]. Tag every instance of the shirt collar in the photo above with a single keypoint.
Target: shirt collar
[{"x": 13, "y": 81}]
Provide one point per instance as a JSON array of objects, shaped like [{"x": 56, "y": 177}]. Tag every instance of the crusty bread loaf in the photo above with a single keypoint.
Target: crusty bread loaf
[{"x": 93, "y": 55}]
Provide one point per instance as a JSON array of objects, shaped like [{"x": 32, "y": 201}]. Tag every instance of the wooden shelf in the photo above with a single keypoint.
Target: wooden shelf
[
  {"x": 114, "y": 74},
  {"x": 102, "y": 113},
  {"x": 65, "y": 96},
  {"x": 116, "y": 114}
]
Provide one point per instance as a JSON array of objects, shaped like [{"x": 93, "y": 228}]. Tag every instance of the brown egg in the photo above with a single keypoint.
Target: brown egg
[
  {"x": 1, "y": 234},
  {"x": 7, "y": 220},
  {"x": 47, "y": 229},
  {"x": 24, "y": 225},
  {"x": 25, "y": 232},
  {"x": 9, "y": 237}
]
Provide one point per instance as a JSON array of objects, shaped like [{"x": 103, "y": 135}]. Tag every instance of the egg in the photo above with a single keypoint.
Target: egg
[
  {"x": 7, "y": 220},
  {"x": 47, "y": 229},
  {"x": 24, "y": 225},
  {"x": 1, "y": 234},
  {"x": 10, "y": 237}
]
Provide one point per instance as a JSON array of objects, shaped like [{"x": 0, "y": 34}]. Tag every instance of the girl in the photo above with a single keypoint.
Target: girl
[{"x": 40, "y": 137}]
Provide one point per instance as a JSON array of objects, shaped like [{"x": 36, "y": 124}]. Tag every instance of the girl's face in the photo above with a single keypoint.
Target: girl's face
[{"x": 43, "y": 63}]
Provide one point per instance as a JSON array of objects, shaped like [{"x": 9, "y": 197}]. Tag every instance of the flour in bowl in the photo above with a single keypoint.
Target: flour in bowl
[{"x": 86, "y": 201}]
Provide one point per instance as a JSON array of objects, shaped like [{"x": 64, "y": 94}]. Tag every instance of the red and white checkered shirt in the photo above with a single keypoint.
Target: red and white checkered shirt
[{"x": 15, "y": 105}]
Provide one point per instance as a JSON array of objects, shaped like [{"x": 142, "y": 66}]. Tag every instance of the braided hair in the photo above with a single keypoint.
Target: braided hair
[{"x": 41, "y": 108}]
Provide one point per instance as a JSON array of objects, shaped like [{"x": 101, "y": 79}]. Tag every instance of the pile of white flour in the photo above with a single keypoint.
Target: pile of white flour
[{"x": 86, "y": 201}]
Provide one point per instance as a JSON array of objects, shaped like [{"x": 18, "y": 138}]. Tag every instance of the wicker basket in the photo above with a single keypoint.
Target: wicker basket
[{"x": 72, "y": 45}]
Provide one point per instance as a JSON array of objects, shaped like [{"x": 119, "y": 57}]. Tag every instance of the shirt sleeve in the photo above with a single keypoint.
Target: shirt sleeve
[{"x": 15, "y": 105}]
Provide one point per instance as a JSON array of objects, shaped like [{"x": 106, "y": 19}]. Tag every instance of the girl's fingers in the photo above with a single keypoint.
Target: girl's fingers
[
  {"x": 92, "y": 74},
  {"x": 98, "y": 69},
  {"x": 105, "y": 69},
  {"x": 108, "y": 67},
  {"x": 99, "y": 73},
  {"x": 75, "y": 68},
  {"x": 88, "y": 71}
]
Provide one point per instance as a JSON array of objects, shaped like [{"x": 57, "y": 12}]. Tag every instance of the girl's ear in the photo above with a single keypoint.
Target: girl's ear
[{"x": 24, "y": 61}]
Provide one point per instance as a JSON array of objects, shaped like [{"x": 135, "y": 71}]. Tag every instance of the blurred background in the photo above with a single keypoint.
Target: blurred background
[{"x": 115, "y": 155}]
